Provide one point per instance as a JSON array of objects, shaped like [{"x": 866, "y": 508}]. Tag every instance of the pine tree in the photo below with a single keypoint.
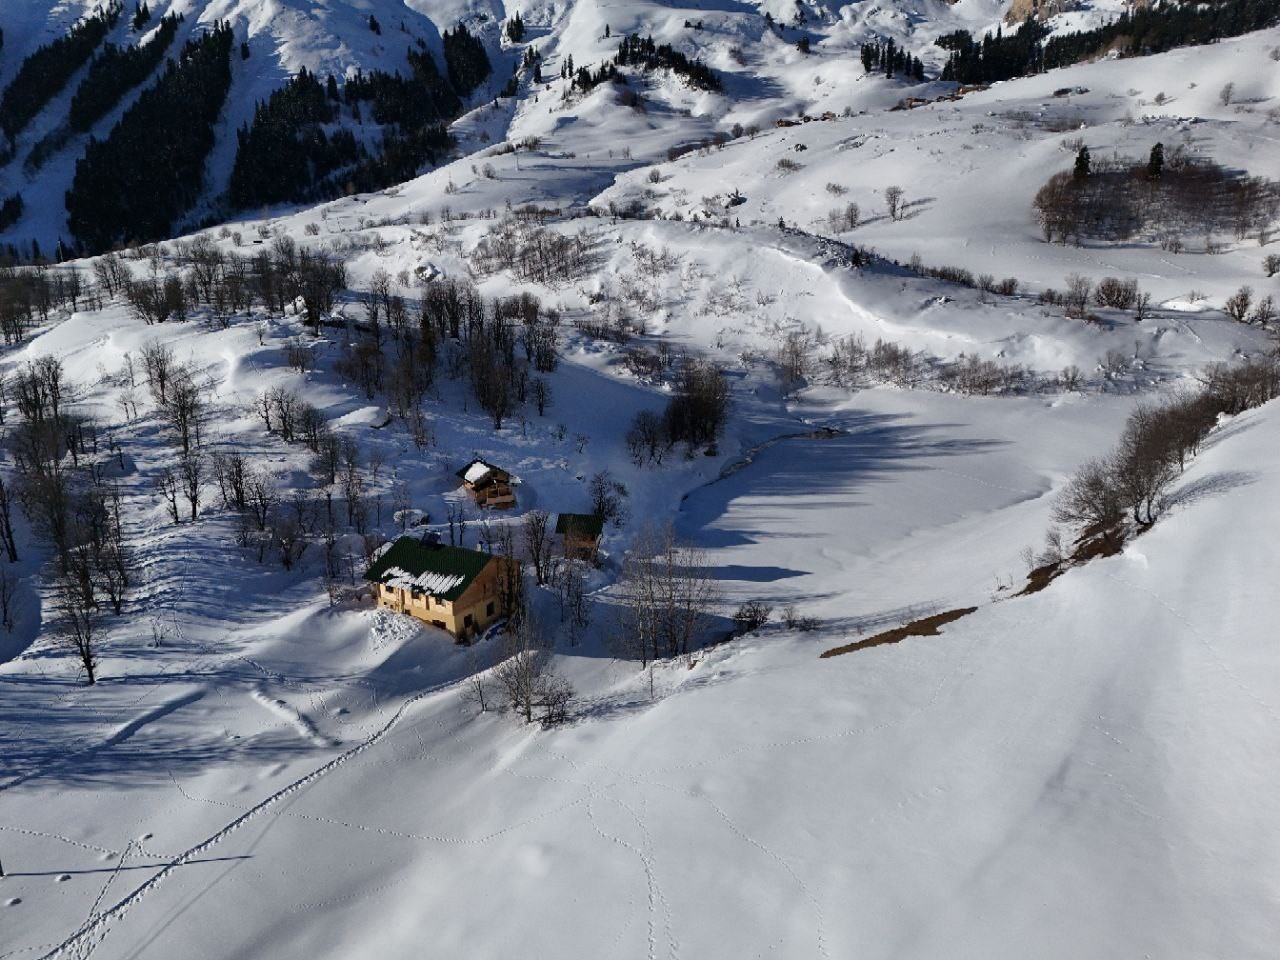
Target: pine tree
[
  {"x": 1084, "y": 164},
  {"x": 1155, "y": 163}
]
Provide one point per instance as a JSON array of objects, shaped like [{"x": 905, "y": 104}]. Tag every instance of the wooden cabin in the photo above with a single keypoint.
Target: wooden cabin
[
  {"x": 580, "y": 534},
  {"x": 488, "y": 485},
  {"x": 452, "y": 588}
]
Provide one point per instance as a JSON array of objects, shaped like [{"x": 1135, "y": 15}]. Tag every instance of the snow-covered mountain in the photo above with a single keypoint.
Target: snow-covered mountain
[{"x": 270, "y": 765}]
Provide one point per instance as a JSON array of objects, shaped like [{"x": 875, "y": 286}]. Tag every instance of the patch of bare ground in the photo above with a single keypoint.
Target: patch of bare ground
[
  {"x": 1094, "y": 542},
  {"x": 924, "y": 627},
  {"x": 1097, "y": 541}
]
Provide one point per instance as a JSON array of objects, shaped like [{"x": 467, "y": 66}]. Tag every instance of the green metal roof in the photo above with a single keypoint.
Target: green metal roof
[
  {"x": 417, "y": 558},
  {"x": 580, "y": 524}
]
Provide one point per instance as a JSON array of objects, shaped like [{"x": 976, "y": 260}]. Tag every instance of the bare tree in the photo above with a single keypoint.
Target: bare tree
[
  {"x": 457, "y": 520},
  {"x": 538, "y": 544},
  {"x": 230, "y": 469},
  {"x": 752, "y": 615},
  {"x": 261, "y": 497},
  {"x": 541, "y": 393},
  {"x": 1237, "y": 305},
  {"x": 571, "y": 595},
  {"x": 1090, "y": 498},
  {"x": 78, "y": 621},
  {"x": 185, "y": 409},
  {"x": 159, "y": 363},
  {"x": 166, "y": 484},
  {"x": 8, "y": 598},
  {"x": 794, "y": 360},
  {"x": 647, "y": 439},
  {"x": 1142, "y": 307},
  {"x": 607, "y": 498},
  {"x": 111, "y": 273},
  {"x": 1144, "y": 465},
  {"x": 666, "y": 597},
  {"x": 893, "y": 201},
  {"x": 351, "y": 478},
  {"x": 6, "y": 522},
  {"x": 192, "y": 470},
  {"x": 521, "y": 668},
  {"x": 524, "y": 676},
  {"x": 477, "y": 689},
  {"x": 1077, "y": 294},
  {"x": 1265, "y": 311}
]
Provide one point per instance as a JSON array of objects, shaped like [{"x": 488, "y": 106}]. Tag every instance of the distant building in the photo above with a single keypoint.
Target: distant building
[
  {"x": 488, "y": 485},
  {"x": 580, "y": 534},
  {"x": 452, "y": 588}
]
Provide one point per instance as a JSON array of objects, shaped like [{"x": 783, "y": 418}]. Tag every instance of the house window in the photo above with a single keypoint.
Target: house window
[
  {"x": 466, "y": 621},
  {"x": 488, "y": 611}
]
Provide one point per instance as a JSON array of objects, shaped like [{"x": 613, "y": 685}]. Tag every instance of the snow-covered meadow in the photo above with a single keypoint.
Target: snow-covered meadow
[{"x": 1086, "y": 771}]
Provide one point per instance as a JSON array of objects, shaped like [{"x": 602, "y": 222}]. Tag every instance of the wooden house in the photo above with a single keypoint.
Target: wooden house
[
  {"x": 452, "y": 588},
  {"x": 580, "y": 534},
  {"x": 488, "y": 485}
]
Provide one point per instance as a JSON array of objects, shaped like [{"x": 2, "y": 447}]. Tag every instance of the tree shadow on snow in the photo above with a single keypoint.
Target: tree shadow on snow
[
  {"x": 1211, "y": 486},
  {"x": 806, "y": 474}
]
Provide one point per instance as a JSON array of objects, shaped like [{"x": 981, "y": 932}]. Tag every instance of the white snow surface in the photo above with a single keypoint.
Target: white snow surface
[
  {"x": 429, "y": 582},
  {"x": 1084, "y": 772}
]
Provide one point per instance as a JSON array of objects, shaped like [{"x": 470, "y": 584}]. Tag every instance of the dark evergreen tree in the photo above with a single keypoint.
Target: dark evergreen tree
[
  {"x": 11, "y": 211},
  {"x": 285, "y": 152},
  {"x": 420, "y": 99},
  {"x": 1153, "y": 28},
  {"x": 44, "y": 73},
  {"x": 645, "y": 53},
  {"x": 870, "y": 54},
  {"x": 150, "y": 169},
  {"x": 465, "y": 60},
  {"x": 374, "y": 25},
  {"x": 141, "y": 16},
  {"x": 997, "y": 57},
  {"x": 1084, "y": 164},
  {"x": 116, "y": 71},
  {"x": 515, "y": 29},
  {"x": 1155, "y": 162}
]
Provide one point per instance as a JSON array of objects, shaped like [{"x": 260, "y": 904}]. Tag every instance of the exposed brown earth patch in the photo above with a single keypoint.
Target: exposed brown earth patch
[{"x": 924, "y": 627}]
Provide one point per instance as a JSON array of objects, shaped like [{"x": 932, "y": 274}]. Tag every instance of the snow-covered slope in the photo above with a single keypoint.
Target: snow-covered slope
[
  {"x": 283, "y": 36},
  {"x": 1086, "y": 769},
  {"x": 1080, "y": 772}
]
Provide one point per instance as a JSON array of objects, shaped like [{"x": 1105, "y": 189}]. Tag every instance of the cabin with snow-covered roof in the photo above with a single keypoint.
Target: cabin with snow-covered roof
[
  {"x": 488, "y": 485},
  {"x": 452, "y": 588}
]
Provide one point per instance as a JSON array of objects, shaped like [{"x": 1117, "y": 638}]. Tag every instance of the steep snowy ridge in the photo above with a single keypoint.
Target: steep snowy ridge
[{"x": 283, "y": 36}]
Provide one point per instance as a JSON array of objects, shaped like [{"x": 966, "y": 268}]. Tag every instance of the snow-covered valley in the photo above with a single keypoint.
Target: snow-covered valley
[{"x": 269, "y": 764}]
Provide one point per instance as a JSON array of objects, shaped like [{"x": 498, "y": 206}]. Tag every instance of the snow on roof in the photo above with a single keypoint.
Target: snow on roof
[
  {"x": 477, "y": 471},
  {"x": 435, "y": 584}
]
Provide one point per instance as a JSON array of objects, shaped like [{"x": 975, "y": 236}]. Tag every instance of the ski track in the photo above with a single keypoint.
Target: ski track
[{"x": 97, "y": 926}]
